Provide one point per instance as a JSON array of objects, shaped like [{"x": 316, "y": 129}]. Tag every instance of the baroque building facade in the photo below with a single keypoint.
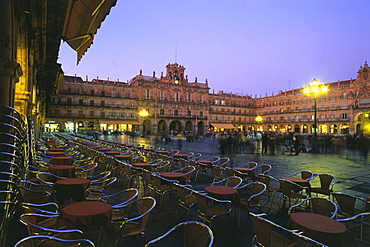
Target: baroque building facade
[{"x": 171, "y": 102}]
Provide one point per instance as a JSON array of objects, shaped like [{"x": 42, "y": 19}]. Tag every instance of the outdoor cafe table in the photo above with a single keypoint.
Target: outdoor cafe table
[
  {"x": 147, "y": 166},
  {"x": 62, "y": 171},
  {"x": 161, "y": 152},
  {"x": 124, "y": 157},
  {"x": 56, "y": 154},
  {"x": 112, "y": 152},
  {"x": 175, "y": 176},
  {"x": 103, "y": 149},
  {"x": 182, "y": 156},
  {"x": 71, "y": 188},
  {"x": 148, "y": 149},
  {"x": 300, "y": 181},
  {"x": 322, "y": 228},
  {"x": 62, "y": 161},
  {"x": 223, "y": 193},
  {"x": 88, "y": 213}
]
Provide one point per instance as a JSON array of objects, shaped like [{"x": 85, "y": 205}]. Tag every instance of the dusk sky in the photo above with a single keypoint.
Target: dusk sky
[{"x": 241, "y": 46}]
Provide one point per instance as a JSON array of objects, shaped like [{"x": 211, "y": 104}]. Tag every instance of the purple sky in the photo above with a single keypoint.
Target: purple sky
[{"x": 245, "y": 46}]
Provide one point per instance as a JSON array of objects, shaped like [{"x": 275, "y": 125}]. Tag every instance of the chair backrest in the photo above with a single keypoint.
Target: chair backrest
[
  {"x": 286, "y": 187},
  {"x": 318, "y": 205},
  {"x": 327, "y": 181},
  {"x": 146, "y": 205},
  {"x": 350, "y": 205},
  {"x": 44, "y": 240},
  {"x": 306, "y": 174},
  {"x": 224, "y": 161},
  {"x": 188, "y": 171},
  {"x": 252, "y": 165},
  {"x": 268, "y": 232},
  {"x": 35, "y": 227},
  {"x": 265, "y": 168},
  {"x": 229, "y": 171},
  {"x": 195, "y": 234},
  {"x": 40, "y": 208},
  {"x": 197, "y": 156}
]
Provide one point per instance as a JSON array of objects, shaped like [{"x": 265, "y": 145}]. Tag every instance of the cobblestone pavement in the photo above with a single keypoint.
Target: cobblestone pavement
[{"x": 353, "y": 177}]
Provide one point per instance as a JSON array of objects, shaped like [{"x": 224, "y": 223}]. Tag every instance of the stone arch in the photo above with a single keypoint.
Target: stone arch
[
  {"x": 333, "y": 129},
  {"x": 81, "y": 126},
  {"x": 201, "y": 127},
  {"x": 189, "y": 126},
  {"x": 297, "y": 129},
  {"x": 305, "y": 129},
  {"x": 282, "y": 128},
  {"x": 344, "y": 129},
  {"x": 162, "y": 126},
  {"x": 175, "y": 126},
  {"x": 147, "y": 126}
]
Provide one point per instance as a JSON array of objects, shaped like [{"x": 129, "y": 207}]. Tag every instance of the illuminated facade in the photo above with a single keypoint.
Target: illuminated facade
[{"x": 172, "y": 103}]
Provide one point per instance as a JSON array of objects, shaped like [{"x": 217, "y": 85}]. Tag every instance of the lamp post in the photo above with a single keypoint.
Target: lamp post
[{"x": 314, "y": 90}]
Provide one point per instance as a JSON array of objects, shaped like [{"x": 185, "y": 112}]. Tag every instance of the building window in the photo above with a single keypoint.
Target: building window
[
  {"x": 69, "y": 113},
  {"x": 69, "y": 90},
  {"x": 102, "y": 93},
  {"x": 123, "y": 94},
  {"x": 217, "y": 102},
  {"x": 91, "y": 113},
  {"x": 69, "y": 101},
  {"x": 175, "y": 113},
  {"x": 201, "y": 114},
  {"x": 188, "y": 113},
  {"x": 161, "y": 112},
  {"x": 161, "y": 95},
  {"x": 80, "y": 113},
  {"x": 113, "y": 104},
  {"x": 201, "y": 99},
  {"x": 113, "y": 93},
  {"x": 92, "y": 92},
  {"x": 57, "y": 100},
  {"x": 189, "y": 97},
  {"x": 147, "y": 94},
  {"x": 177, "y": 97},
  {"x": 222, "y": 102},
  {"x": 344, "y": 116},
  {"x": 296, "y": 118},
  {"x": 92, "y": 102},
  {"x": 102, "y": 114},
  {"x": 57, "y": 112},
  {"x": 123, "y": 114},
  {"x": 80, "y": 102}
]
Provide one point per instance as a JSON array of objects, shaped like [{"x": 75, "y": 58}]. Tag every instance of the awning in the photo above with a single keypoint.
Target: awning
[
  {"x": 223, "y": 125},
  {"x": 82, "y": 21}
]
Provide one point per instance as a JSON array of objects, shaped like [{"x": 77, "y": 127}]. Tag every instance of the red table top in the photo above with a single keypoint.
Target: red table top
[
  {"x": 61, "y": 160},
  {"x": 138, "y": 147},
  {"x": 111, "y": 152},
  {"x": 141, "y": 164},
  {"x": 221, "y": 190},
  {"x": 103, "y": 149},
  {"x": 243, "y": 169},
  {"x": 318, "y": 223},
  {"x": 172, "y": 174},
  {"x": 74, "y": 181},
  {"x": 180, "y": 156},
  {"x": 205, "y": 161},
  {"x": 84, "y": 212},
  {"x": 149, "y": 149},
  {"x": 56, "y": 154},
  {"x": 295, "y": 179},
  {"x": 161, "y": 152},
  {"x": 60, "y": 167},
  {"x": 122, "y": 156}
]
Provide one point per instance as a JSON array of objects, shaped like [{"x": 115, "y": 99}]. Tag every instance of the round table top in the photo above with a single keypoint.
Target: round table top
[
  {"x": 149, "y": 149},
  {"x": 172, "y": 174},
  {"x": 60, "y": 167},
  {"x": 86, "y": 208},
  {"x": 111, "y": 152},
  {"x": 141, "y": 164},
  {"x": 180, "y": 155},
  {"x": 242, "y": 169},
  {"x": 318, "y": 222},
  {"x": 205, "y": 161},
  {"x": 73, "y": 181},
  {"x": 221, "y": 190},
  {"x": 161, "y": 152},
  {"x": 122, "y": 156},
  {"x": 62, "y": 158},
  {"x": 295, "y": 179},
  {"x": 103, "y": 149},
  {"x": 55, "y": 149}
]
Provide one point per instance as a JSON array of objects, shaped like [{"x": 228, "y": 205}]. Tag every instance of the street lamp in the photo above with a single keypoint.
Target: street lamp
[{"x": 314, "y": 90}]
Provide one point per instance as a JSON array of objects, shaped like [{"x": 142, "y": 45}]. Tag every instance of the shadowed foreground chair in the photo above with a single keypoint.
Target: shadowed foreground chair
[
  {"x": 317, "y": 205},
  {"x": 185, "y": 199},
  {"x": 353, "y": 210},
  {"x": 134, "y": 225},
  {"x": 288, "y": 191},
  {"x": 46, "y": 241},
  {"x": 187, "y": 234},
  {"x": 210, "y": 208}
]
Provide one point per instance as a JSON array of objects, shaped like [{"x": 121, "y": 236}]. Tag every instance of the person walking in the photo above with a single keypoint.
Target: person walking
[{"x": 297, "y": 144}]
